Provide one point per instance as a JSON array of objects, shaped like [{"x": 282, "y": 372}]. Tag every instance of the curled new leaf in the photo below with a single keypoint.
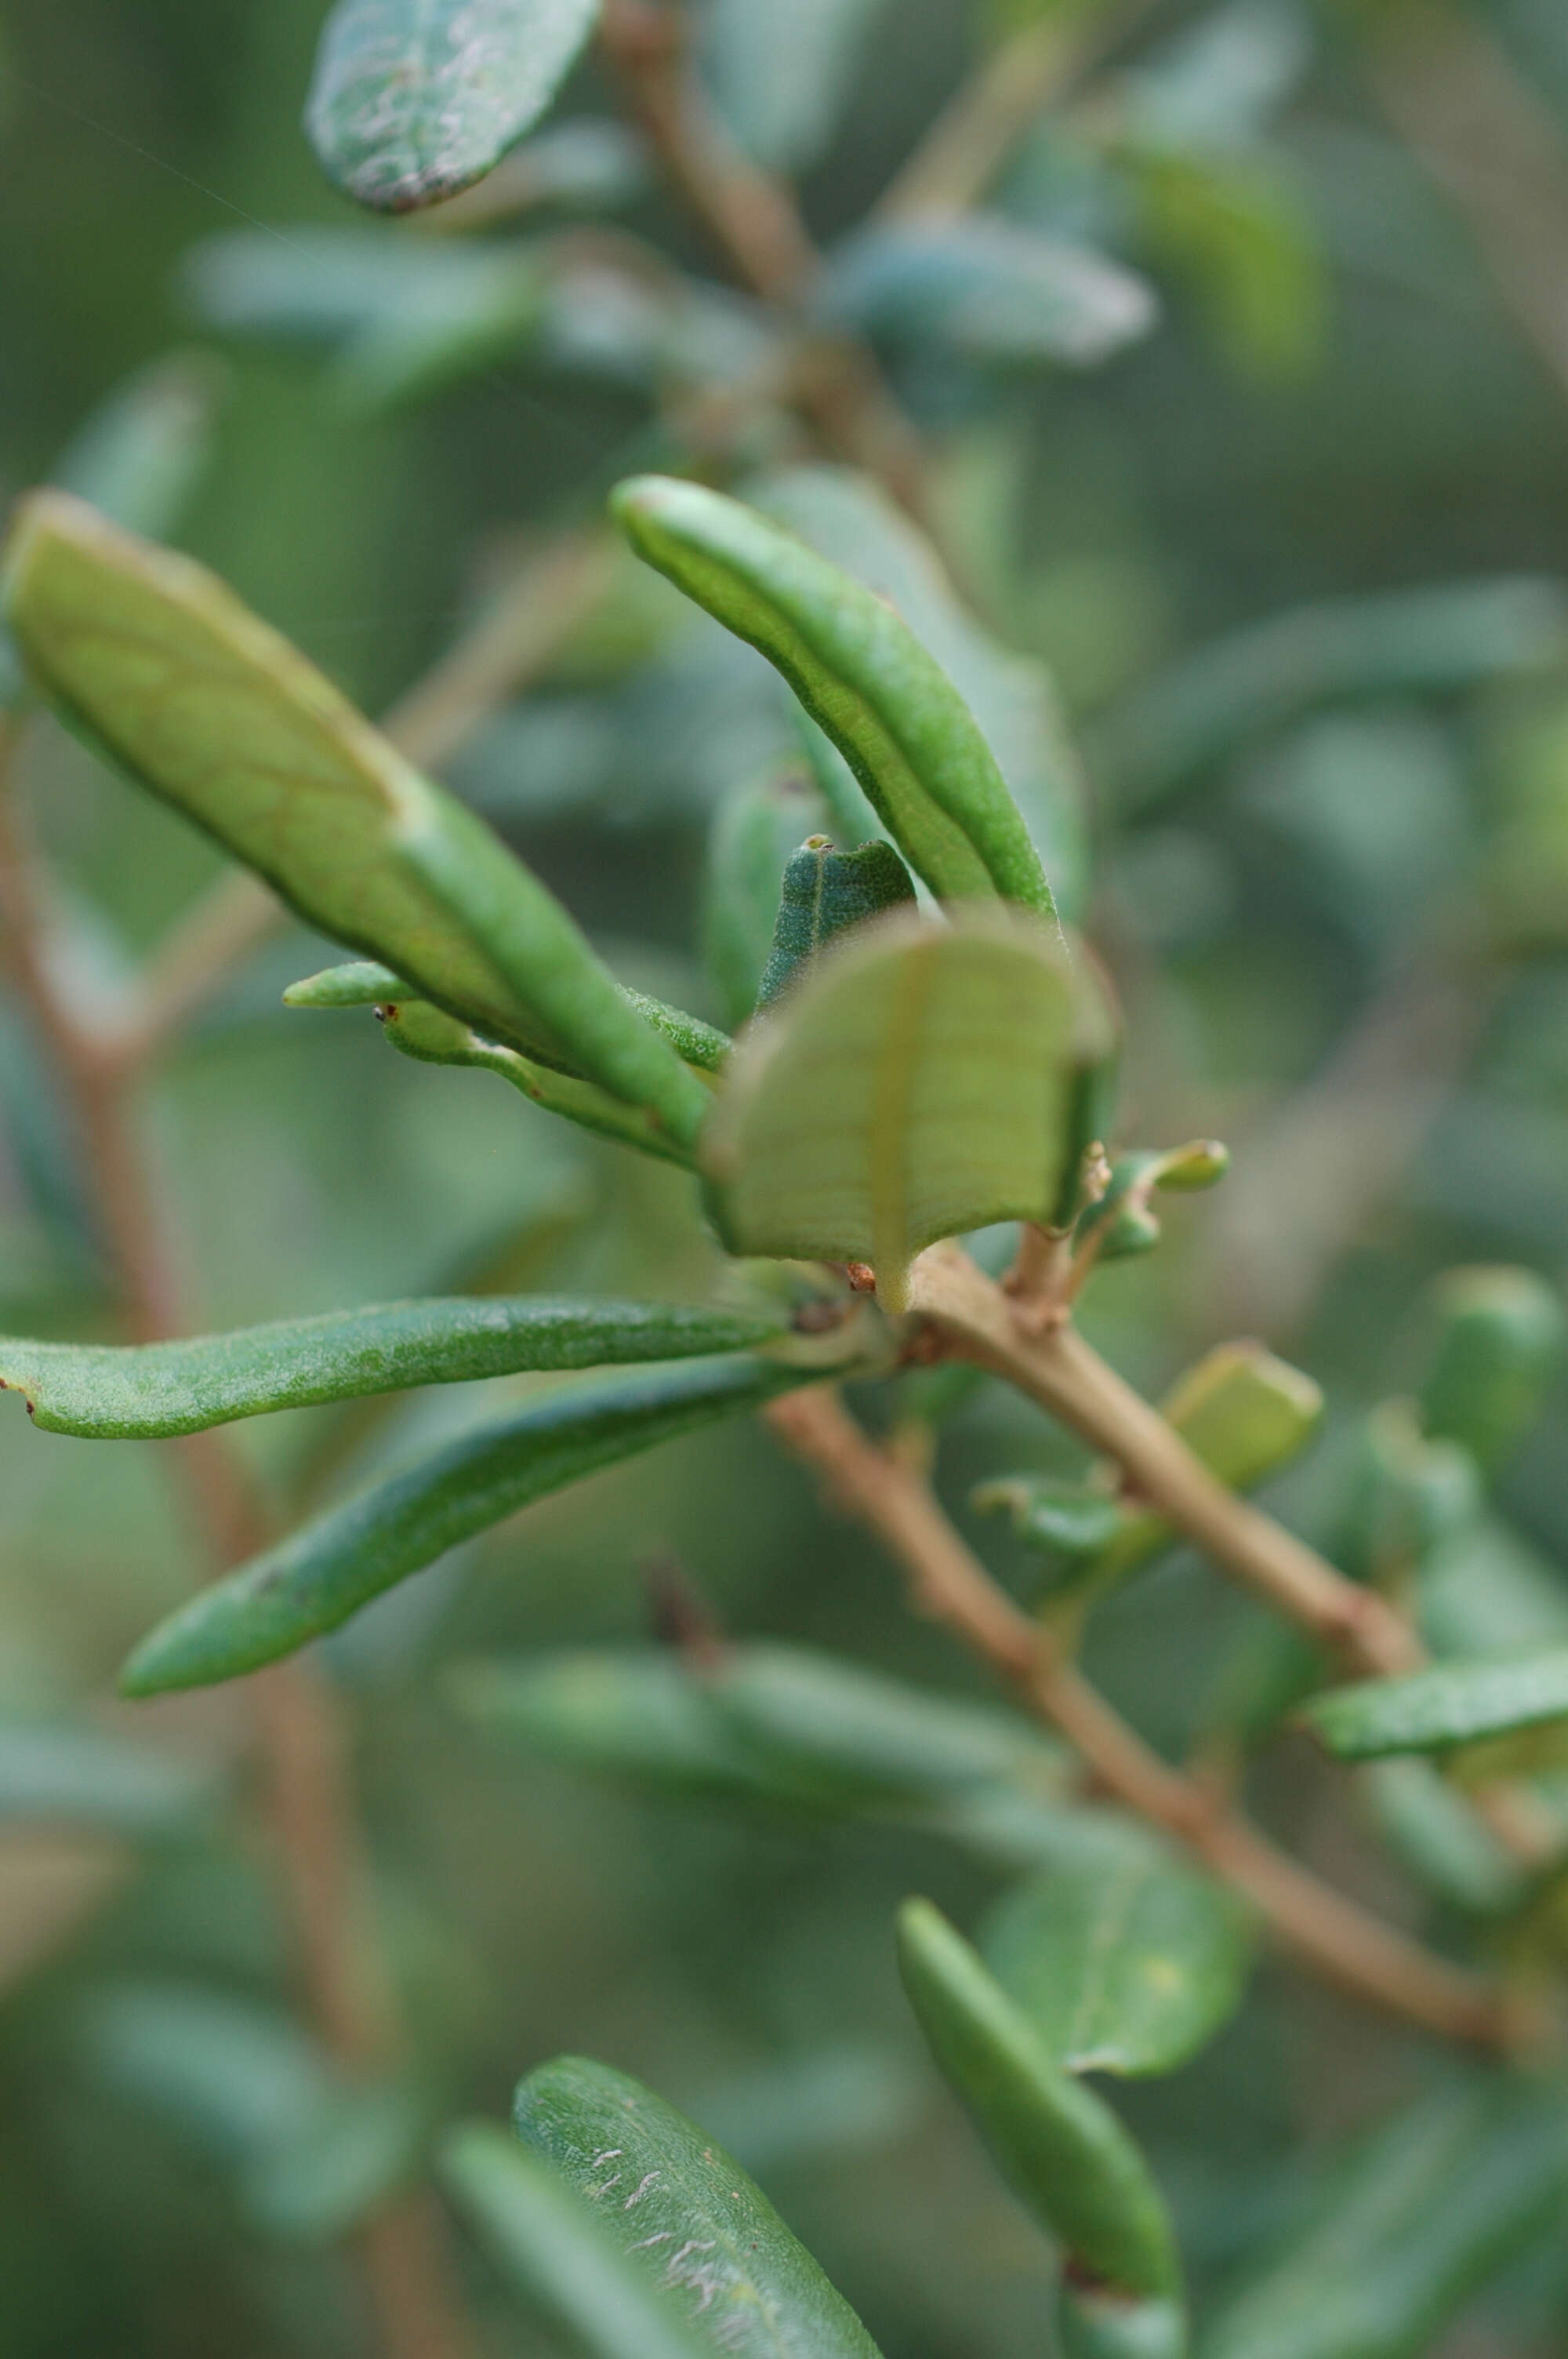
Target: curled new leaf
[
  {"x": 413, "y": 100},
  {"x": 205, "y": 705},
  {"x": 860, "y": 672},
  {"x": 698, "y": 2231},
  {"x": 1454, "y": 1704},
  {"x": 1062, "y": 2152},
  {"x": 316, "y": 1579},
  {"x": 756, "y": 827},
  {"x": 568, "y": 2260},
  {"x": 147, "y": 1390},
  {"x": 923, "y": 1082},
  {"x": 824, "y": 892}
]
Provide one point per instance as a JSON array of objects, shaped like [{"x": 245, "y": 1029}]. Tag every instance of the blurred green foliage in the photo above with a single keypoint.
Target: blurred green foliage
[{"x": 1231, "y": 428}]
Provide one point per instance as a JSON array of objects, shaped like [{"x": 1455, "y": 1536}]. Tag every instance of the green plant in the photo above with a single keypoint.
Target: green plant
[{"x": 905, "y": 1171}]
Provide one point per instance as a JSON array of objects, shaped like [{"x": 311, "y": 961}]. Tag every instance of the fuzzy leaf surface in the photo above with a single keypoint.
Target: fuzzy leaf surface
[
  {"x": 701, "y": 2233},
  {"x": 145, "y": 1390},
  {"x": 413, "y": 100}
]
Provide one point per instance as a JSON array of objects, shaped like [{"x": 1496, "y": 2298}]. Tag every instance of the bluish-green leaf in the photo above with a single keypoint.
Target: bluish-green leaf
[
  {"x": 316, "y": 1579},
  {"x": 1405, "y": 2228},
  {"x": 145, "y": 1390},
  {"x": 413, "y": 100},
  {"x": 1123, "y": 1958},
  {"x": 989, "y": 289},
  {"x": 567, "y": 2261},
  {"x": 168, "y": 674},
  {"x": 1060, "y": 2148},
  {"x": 860, "y": 672},
  {"x": 849, "y": 520},
  {"x": 1454, "y": 1704},
  {"x": 824, "y": 892},
  {"x": 688, "y": 2218}
]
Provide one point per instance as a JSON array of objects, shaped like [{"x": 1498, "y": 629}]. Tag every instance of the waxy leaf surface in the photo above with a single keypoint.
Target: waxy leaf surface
[
  {"x": 562, "y": 2256},
  {"x": 702, "y": 2233},
  {"x": 1123, "y": 1958},
  {"x": 413, "y": 100},
  {"x": 919, "y": 1083},
  {"x": 316, "y": 1579},
  {"x": 1059, "y": 2146},
  {"x": 162, "y": 667},
  {"x": 1454, "y": 1704},
  {"x": 145, "y": 1390},
  {"x": 860, "y": 672}
]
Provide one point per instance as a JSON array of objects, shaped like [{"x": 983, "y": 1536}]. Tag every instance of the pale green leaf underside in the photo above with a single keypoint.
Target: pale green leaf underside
[
  {"x": 208, "y": 707},
  {"x": 917, "y": 1085},
  {"x": 413, "y": 100},
  {"x": 689, "y": 2220},
  {"x": 861, "y": 674},
  {"x": 564, "y": 2257},
  {"x": 147, "y": 1390},
  {"x": 1123, "y": 1960},
  {"x": 1453, "y": 1704},
  {"x": 312, "y": 1582}
]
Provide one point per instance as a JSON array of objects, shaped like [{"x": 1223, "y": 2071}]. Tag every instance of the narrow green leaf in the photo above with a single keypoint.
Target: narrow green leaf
[
  {"x": 145, "y": 1390},
  {"x": 54, "y": 1772},
  {"x": 1406, "y": 1495},
  {"x": 413, "y": 100},
  {"x": 568, "y": 2261},
  {"x": 919, "y": 1083},
  {"x": 1123, "y": 1958},
  {"x": 1067, "y": 1519},
  {"x": 1098, "y": 2322},
  {"x": 427, "y": 1034},
  {"x": 1454, "y": 1704},
  {"x": 1500, "y": 1342},
  {"x": 764, "y": 1723},
  {"x": 351, "y": 2150},
  {"x": 824, "y": 892},
  {"x": 987, "y": 288},
  {"x": 361, "y": 983},
  {"x": 849, "y": 520},
  {"x": 1440, "y": 1836},
  {"x": 177, "y": 682},
  {"x": 1405, "y": 2229},
  {"x": 689, "y": 2220},
  {"x": 1060, "y": 2148},
  {"x": 756, "y": 827},
  {"x": 860, "y": 672},
  {"x": 316, "y": 1579}
]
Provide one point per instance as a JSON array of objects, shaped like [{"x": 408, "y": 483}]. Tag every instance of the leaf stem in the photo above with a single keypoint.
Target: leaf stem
[
  {"x": 1334, "y": 1935},
  {"x": 1057, "y": 1368}
]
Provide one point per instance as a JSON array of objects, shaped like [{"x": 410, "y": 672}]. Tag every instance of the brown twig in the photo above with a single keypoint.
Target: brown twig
[
  {"x": 309, "y": 1795},
  {"x": 1341, "y": 1940},
  {"x": 756, "y": 225},
  {"x": 1068, "y": 1378}
]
